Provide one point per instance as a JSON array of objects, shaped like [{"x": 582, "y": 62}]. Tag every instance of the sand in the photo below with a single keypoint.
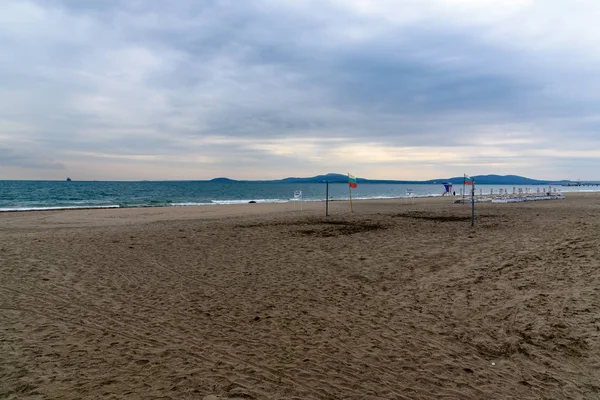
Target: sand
[{"x": 395, "y": 301}]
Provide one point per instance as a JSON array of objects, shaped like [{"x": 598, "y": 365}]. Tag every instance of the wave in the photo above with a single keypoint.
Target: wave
[
  {"x": 189, "y": 204},
  {"x": 93, "y": 204},
  {"x": 89, "y": 207},
  {"x": 183, "y": 202},
  {"x": 231, "y": 202}
]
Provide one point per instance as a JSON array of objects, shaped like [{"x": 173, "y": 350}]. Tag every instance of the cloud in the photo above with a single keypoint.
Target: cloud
[
  {"x": 397, "y": 89},
  {"x": 12, "y": 158}
]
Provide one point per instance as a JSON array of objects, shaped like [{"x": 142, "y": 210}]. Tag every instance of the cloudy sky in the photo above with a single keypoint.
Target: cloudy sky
[{"x": 391, "y": 89}]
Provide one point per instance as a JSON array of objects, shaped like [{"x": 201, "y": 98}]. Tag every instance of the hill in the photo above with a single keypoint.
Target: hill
[
  {"x": 479, "y": 179},
  {"x": 341, "y": 178},
  {"x": 493, "y": 180},
  {"x": 223, "y": 180},
  {"x": 331, "y": 177}
]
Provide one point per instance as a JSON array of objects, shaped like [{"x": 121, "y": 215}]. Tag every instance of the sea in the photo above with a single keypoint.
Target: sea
[{"x": 49, "y": 195}]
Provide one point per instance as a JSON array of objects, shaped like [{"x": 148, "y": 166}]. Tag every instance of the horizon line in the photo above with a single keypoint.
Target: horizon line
[{"x": 338, "y": 175}]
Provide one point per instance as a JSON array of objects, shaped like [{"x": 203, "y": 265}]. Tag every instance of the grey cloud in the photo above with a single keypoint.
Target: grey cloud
[
  {"x": 379, "y": 75},
  {"x": 260, "y": 70},
  {"x": 13, "y": 158}
]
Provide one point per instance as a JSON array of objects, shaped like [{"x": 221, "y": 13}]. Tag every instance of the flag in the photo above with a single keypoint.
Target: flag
[
  {"x": 352, "y": 181},
  {"x": 468, "y": 180}
]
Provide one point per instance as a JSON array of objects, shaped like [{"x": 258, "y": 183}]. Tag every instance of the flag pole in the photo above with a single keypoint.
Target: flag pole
[
  {"x": 327, "y": 198},
  {"x": 464, "y": 188},
  {"x": 350, "y": 191},
  {"x": 473, "y": 203}
]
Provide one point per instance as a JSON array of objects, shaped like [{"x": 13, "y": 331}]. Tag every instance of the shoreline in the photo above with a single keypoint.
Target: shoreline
[
  {"x": 279, "y": 201},
  {"x": 122, "y": 216},
  {"x": 216, "y": 203}
]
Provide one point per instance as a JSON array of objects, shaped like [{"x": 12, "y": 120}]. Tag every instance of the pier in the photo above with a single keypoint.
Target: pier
[{"x": 582, "y": 184}]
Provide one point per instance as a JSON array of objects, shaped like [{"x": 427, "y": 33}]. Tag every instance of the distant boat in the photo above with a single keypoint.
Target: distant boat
[{"x": 68, "y": 179}]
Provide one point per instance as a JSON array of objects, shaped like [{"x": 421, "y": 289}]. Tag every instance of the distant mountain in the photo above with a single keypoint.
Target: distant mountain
[
  {"x": 341, "y": 178},
  {"x": 332, "y": 178},
  {"x": 223, "y": 180},
  {"x": 479, "y": 179},
  {"x": 493, "y": 180},
  {"x": 337, "y": 178}
]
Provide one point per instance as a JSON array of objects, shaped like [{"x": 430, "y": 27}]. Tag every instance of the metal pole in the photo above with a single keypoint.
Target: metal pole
[
  {"x": 327, "y": 198},
  {"x": 473, "y": 203},
  {"x": 350, "y": 191}
]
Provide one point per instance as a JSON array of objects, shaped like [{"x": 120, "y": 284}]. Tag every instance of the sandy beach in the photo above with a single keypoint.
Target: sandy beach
[{"x": 261, "y": 301}]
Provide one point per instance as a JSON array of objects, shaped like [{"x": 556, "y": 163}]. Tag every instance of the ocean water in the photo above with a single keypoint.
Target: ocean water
[{"x": 42, "y": 195}]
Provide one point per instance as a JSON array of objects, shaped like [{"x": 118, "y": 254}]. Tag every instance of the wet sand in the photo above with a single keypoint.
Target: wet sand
[{"x": 257, "y": 301}]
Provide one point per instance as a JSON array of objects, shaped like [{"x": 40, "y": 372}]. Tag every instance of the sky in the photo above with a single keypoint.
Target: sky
[{"x": 265, "y": 89}]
